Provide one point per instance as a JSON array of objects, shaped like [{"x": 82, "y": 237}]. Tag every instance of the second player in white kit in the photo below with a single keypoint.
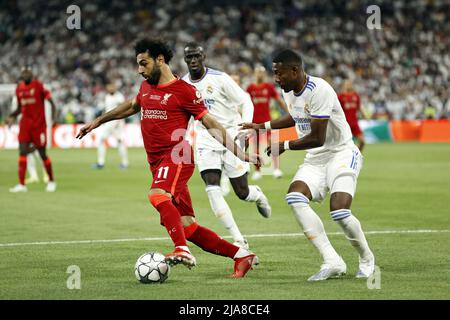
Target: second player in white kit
[
  {"x": 113, "y": 128},
  {"x": 223, "y": 97},
  {"x": 332, "y": 162}
]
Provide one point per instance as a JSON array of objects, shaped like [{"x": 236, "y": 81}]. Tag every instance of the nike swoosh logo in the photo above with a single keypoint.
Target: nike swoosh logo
[
  {"x": 145, "y": 94},
  {"x": 158, "y": 181}
]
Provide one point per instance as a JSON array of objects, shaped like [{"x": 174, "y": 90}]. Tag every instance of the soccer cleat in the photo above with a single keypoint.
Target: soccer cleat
[
  {"x": 32, "y": 179},
  {"x": 51, "y": 186},
  {"x": 242, "y": 244},
  {"x": 330, "y": 270},
  {"x": 181, "y": 256},
  {"x": 243, "y": 265},
  {"x": 98, "y": 166},
  {"x": 366, "y": 267},
  {"x": 277, "y": 173},
  {"x": 263, "y": 205},
  {"x": 257, "y": 175},
  {"x": 123, "y": 166},
  {"x": 19, "y": 188}
]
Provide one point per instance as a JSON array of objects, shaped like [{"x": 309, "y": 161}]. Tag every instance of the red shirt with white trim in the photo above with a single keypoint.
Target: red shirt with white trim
[
  {"x": 165, "y": 113},
  {"x": 31, "y": 98}
]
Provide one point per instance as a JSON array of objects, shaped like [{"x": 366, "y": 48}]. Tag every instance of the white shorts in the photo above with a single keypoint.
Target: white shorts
[
  {"x": 111, "y": 129},
  {"x": 323, "y": 174},
  {"x": 223, "y": 160}
]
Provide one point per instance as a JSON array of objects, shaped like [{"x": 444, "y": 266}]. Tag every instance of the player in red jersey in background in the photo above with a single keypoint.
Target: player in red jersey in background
[
  {"x": 261, "y": 92},
  {"x": 31, "y": 96},
  {"x": 166, "y": 104},
  {"x": 351, "y": 104}
]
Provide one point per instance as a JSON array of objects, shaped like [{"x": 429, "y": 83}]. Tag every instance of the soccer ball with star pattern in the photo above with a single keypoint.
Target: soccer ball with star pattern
[{"x": 151, "y": 267}]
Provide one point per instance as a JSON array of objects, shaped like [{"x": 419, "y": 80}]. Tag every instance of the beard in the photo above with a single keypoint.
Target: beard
[{"x": 153, "y": 79}]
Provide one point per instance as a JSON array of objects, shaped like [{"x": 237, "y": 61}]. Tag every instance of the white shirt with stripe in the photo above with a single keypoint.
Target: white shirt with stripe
[{"x": 318, "y": 100}]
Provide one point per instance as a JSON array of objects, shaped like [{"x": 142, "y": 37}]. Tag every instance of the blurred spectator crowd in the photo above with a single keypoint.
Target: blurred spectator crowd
[{"x": 402, "y": 71}]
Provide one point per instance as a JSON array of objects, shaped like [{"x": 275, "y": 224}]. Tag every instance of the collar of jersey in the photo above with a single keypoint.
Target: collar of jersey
[
  {"x": 159, "y": 86},
  {"x": 300, "y": 93},
  {"x": 204, "y": 75}
]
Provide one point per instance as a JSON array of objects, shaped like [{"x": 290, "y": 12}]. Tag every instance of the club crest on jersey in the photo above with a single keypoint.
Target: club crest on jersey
[
  {"x": 166, "y": 98},
  {"x": 307, "y": 108},
  {"x": 209, "y": 89}
]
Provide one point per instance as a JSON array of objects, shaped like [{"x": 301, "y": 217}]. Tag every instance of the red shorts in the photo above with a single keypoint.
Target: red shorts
[
  {"x": 36, "y": 136},
  {"x": 173, "y": 178},
  {"x": 356, "y": 130}
]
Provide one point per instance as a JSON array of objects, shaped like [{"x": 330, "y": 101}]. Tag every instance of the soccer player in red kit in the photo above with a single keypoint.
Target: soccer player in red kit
[
  {"x": 261, "y": 92},
  {"x": 31, "y": 96},
  {"x": 351, "y": 104},
  {"x": 166, "y": 104}
]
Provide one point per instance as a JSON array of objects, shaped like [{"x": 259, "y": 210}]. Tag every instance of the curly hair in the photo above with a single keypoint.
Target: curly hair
[{"x": 154, "y": 47}]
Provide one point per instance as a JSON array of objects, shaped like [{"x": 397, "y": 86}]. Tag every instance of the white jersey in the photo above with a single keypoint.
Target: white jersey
[
  {"x": 223, "y": 98},
  {"x": 318, "y": 100},
  {"x": 112, "y": 100}
]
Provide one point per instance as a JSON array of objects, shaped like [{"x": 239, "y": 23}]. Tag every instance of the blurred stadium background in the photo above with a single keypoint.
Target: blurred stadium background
[{"x": 401, "y": 71}]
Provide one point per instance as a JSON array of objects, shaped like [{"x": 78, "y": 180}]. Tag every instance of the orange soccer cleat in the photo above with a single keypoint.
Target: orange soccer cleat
[
  {"x": 243, "y": 265},
  {"x": 181, "y": 256}
]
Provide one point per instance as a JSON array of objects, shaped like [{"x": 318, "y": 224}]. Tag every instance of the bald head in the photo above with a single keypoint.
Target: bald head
[{"x": 194, "y": 56}]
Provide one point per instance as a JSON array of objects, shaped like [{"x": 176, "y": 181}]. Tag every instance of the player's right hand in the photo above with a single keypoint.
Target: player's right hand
[
  {"x": 252, "y": 126},
  {"x": 87, "y": 128}
]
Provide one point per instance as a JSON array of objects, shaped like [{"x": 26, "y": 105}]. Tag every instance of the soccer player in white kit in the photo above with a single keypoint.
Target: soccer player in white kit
[
  {"x": 113, "y": 128},
  {"x": 332, "y": 162},
  {"x": 223, "y": 97}
]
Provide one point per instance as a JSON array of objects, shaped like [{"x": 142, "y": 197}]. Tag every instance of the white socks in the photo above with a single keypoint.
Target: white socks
[
  {"x": 123, "y": 154},
  {"x": 101, "y": 153},
  {"x": 312, "y": 225},
  {"x": 353, "y": 232},
  {"x": 223, "y": 211},
  {"x": 254, "y": 194}
]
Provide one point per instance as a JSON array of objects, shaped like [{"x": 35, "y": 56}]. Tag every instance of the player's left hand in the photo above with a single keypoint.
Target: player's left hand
[
  {"x": 87, "y": 128},
  {"x": 275, "y": 149},
  {"x": 9, "y": 121},
  {"x": 254, "y": 158}
]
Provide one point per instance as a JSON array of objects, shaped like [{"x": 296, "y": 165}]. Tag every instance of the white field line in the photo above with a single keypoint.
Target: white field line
[{"x": 267, "y": 235}]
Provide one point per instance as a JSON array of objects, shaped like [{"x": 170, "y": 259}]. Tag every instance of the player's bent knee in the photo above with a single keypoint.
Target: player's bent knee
[
  {"x": 297, "y": 199},
  {"x": 187, "y": 221},
  {"x": 156, "y": 198}
]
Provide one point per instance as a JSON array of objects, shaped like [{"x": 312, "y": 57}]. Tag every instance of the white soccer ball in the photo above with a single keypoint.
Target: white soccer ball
[{"x": 151, "y": 268}]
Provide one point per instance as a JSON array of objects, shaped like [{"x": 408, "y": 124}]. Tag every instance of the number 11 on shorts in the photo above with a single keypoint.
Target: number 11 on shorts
[{"x": 162, "y": 172}]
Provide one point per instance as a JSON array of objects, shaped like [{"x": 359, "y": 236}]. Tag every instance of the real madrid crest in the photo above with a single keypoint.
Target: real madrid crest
[
  {"x": 209, "y": 89},
  {"x": 307, "y": 108}
]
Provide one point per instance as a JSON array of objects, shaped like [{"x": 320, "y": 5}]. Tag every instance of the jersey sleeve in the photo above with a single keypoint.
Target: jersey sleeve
[
  {"x": 322, "y": 102},
  {"x": 139, "y": 96},
  {"x": 239, "y": 97},
  {"x": 192, "y": 102},
  {"x": 274, "y": 92}
]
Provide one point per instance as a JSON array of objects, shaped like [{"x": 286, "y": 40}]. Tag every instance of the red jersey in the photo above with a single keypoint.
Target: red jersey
[
  {"x": 261, "y": 94},
  {"x": 31, "y": 99},
  {"x": 350, "y": 103},
  {"x": 165, "y": 109}
]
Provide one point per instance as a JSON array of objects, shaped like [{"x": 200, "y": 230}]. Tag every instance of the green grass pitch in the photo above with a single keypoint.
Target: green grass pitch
[{"x": 401, "y": 187}]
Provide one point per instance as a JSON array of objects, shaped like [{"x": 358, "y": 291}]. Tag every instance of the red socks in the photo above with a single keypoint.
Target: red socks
[
  {"x": 170, "y": 217},
  {"x": 22, "y": 169},
  {"x": 209, "y": 241},
  {"x": 48, "y": 168}
]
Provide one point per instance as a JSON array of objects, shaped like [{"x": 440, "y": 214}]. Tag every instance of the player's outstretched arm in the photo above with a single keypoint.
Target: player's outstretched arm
[
  {"x": 220, "y": 134},
  {"x": 285, "y": 121},
  {"x": 123, "y": 110},
  {"x": 315, "y": 139}
]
